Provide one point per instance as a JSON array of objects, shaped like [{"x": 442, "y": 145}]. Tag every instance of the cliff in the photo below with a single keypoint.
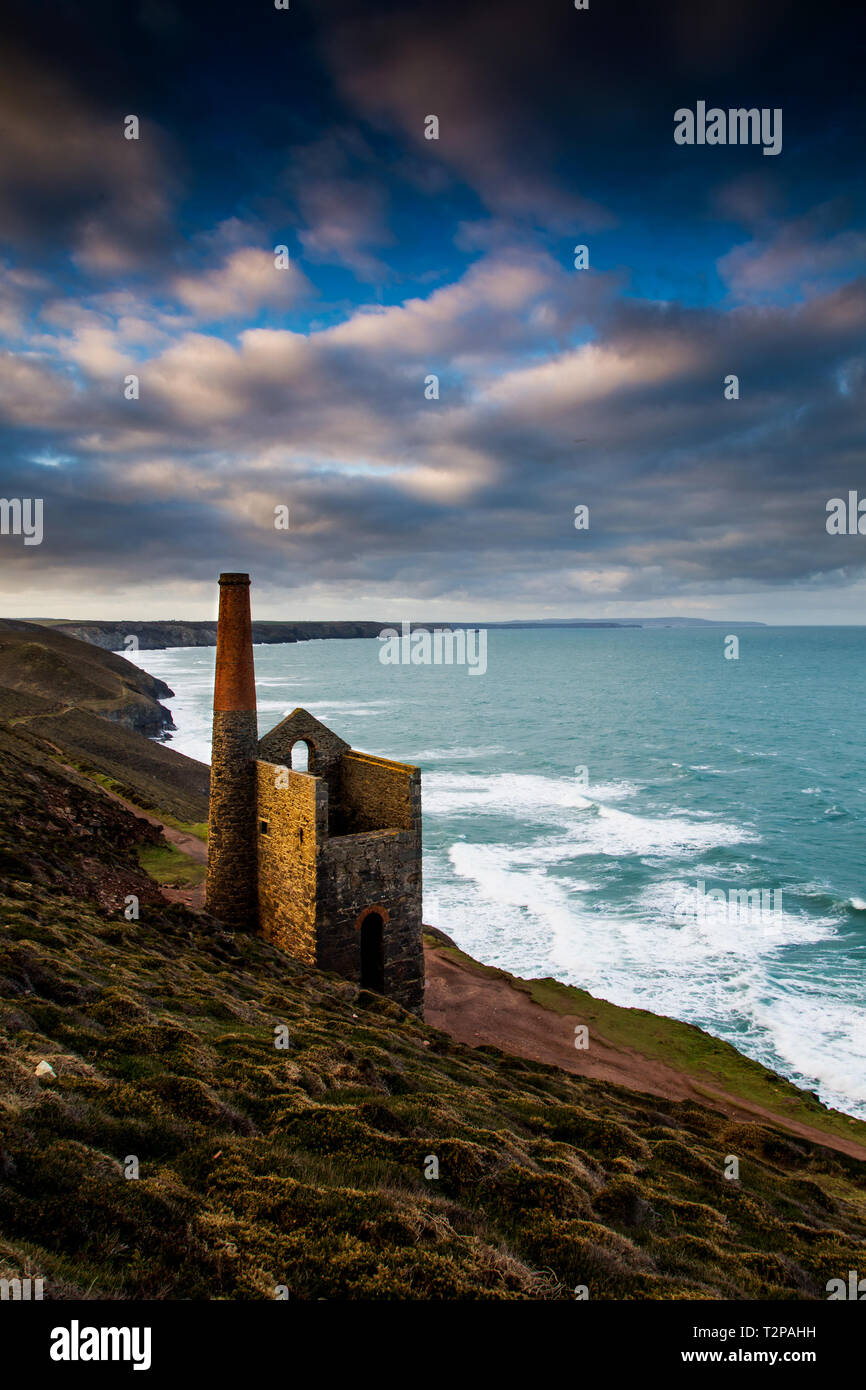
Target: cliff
[
  {"x": 114, "y": 636},
  {"x": 150, "y": 636}
]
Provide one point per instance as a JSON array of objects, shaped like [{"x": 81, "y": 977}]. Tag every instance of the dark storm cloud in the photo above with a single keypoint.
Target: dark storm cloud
[
  {"x": 552, "y": 114},
  {"x": 71, "y": 182}
]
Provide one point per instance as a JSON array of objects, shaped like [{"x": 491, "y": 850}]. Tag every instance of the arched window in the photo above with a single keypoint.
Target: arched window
[
  {"x": 301, "y": 756},
  {"x": 373, "y": 953}
]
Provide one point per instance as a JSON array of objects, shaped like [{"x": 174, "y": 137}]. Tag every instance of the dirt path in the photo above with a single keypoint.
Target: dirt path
[
  {"x": 46, "y": 714},
  {"x": 182, "y": 839},
  {"x": 480, "y": 1009},
  {"x": 189, "y": 844}
]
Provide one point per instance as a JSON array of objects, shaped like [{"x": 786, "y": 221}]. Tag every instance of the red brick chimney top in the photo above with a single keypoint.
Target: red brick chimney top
[{"x": 235, "y": 681}]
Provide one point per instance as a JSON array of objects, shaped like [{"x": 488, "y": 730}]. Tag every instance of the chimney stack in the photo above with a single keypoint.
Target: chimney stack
[{"x": 231, "y": 893}]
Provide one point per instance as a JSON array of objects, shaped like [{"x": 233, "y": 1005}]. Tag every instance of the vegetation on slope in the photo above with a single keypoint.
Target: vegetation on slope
[
  {"x": 147, "y": 773},
  {"x": 304, "y": 1167},
  {"x": 170, "y": 866}
]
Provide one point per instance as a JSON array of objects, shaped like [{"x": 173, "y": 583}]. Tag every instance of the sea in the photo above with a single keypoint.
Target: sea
[{"x": 628, "y": 810}]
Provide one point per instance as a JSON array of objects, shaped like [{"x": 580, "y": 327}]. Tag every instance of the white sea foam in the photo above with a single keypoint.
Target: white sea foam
[
  {"x": 587, "y": 826},
  {"x": 455, "y": 755},
  {"x": 822, "y": 1041},
  {"x": 611, "y": 791},
  {"x": 518, "y": 909},
  {"x": 524, "y": 795},
  {"x": 713, "y": 970},
  {"x": 721, "y": 928},
  {"x": 192, "y": 743},
  {"x": 618, "y": 833}
]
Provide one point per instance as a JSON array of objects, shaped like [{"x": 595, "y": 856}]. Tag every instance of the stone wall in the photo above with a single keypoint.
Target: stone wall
[
  {"x": 326, "y": 750},
  {"x": 380, "y": 869},
  {"x": 296, "y": 820},
  {"x": 326, "y": 747},
  {"x": 377, "y": 794}
]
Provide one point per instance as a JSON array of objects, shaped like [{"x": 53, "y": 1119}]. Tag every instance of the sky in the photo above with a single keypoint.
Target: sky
[{"x": 297, "y": 384}]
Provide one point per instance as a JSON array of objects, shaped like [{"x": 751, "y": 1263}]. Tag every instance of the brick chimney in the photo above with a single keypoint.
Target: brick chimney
[{"x": 231, "y": 893}]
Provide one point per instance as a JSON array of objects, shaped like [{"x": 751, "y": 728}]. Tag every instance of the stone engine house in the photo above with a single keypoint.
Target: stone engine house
[{"x": 310, "y": 842}]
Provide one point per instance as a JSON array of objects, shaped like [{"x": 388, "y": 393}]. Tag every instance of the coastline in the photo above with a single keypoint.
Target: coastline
[
  {"x": 631, "y": 1046},
  {"x": 157, "y": 635},
  {"x": 156, "y": 1029},
  {"x": 483, "y": 1006}
]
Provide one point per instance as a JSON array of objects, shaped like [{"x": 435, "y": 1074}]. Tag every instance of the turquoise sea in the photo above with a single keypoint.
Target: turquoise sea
[{"x": 576, "y": 793}]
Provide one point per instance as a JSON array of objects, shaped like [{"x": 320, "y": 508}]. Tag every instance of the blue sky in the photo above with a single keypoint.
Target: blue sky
[{"x": 304, "y": 387}]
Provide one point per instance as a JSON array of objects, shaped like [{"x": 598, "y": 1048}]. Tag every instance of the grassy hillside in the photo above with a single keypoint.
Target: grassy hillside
[
  {"x": 305, "y": 1166},
  {"x": 42, "y": 661},
  {"x": 148, "y": 773}
]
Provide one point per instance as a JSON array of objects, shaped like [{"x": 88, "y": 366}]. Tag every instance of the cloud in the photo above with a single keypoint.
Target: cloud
[
  {"x": 508, "y": 301},
  {"x": 336, "y": 184},
  {"x": 305, "y": 387},
  {"x": 469, "y": 69},
  {"x": 806, "y": 255},
  {"x": 594, "y": 372},
  {"x": 687, "y": 491},
  {"x": 246, "y": 281},
  {"x": 18, "y": 291},
  {"x": 71, "y": 179}
]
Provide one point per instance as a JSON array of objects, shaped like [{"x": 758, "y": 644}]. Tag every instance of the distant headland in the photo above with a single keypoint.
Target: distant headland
[{"x": 153, "y": 635}]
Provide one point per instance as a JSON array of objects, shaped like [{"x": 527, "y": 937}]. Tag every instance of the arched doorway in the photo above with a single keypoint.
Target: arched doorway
[{"x": 373, "y": 953}]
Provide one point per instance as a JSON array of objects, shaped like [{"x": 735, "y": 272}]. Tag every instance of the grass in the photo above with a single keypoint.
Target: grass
[
  {"x": 197, "y": 828},
  {"x": 170, "y": 866},
  {"x": 305, "y": 1166}
]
